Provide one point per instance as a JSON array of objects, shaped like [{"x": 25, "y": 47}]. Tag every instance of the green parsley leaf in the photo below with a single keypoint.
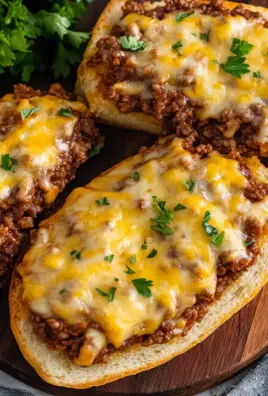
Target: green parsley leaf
[
  {"x": 132, "y": 259},
  {"x": 77, "y": 38},
  {"x": 240, "y": 47},
  {"x": 62, "y": 291},
  {"x": 194, "y": 34},
  {"x": 152, "y": 254},
  {"x": 212, "y": 232},
  {"x": 111, "y": 294},
  {"x": 103, "y": 202},
  {"x": 144, "y": 245},
  {"x": 65, "y": 112},
  {"x": 130, "y": 271},
  {"x": 189, "y": 184},
  {"x": 248, "y": 243},
  {"x": 217, "y": 239},
  {"x": 116, "y": 279},
  {"x": 7, "y": 56},
  {"x": 162, "y": 229},
  {"x": 130, "y": 43},
  {"x": 109, "y": 258},
  {"x": 257, "y": 74},
  {"x": 215, "y": 62},
  {"x": 101, "y": 292},
  {"x": 53, "y": 23},
  {"x": 75, "y": 254},
  {"x": 64, "y": 59},
  {"x": 236, "y": 66},
  {"x": 204, "y": 36},
  {"x": 165, "y": 217},
  {"x": 184, "y": 15},
  {"x": 136, "y": 176},
  {"x": 176, "y": 46},
  {"x": 28, "y": 112},
  {"x": 143, "y": 286},
  {"x": 179, "y": 207},
  {"x": 95, "y": 150},
  {"x": 8, "y": 162}
]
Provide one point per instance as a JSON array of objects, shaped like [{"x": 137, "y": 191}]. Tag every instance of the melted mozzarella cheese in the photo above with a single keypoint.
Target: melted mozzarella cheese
[
  {"x": 212, "y": 88},
  {"x": 58, "y": 284},
  {"x": 35, "y": 143}
]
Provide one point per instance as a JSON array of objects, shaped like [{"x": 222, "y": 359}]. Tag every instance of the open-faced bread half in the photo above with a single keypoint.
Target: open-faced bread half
[
  {"x": 142, "y": 264},
  {"x": 195, "y": 67},
  {"x": 45, "y": 136}
]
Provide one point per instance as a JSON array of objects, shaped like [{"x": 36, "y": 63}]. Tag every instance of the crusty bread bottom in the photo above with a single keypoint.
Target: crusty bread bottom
[{"x": 57, "y": 369}]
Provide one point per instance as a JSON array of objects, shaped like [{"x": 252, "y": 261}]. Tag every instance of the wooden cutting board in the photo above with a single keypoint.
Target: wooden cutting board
[{"x": 233, "y": 346}]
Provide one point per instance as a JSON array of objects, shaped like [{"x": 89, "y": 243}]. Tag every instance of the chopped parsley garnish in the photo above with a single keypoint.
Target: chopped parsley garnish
[
  {"x": 236, "y": 66},
  {"x": 189, "y": 184},
  {"x": 152, "y": 254},
  {"x": 176, "y": 46},
  {"x": 116, "y": 279},
  {"x": 28, "y": 112},
  {"x": 65, "y": 112},
  {"x": 240, "y": 47},
  {"x": 194, "y": 34},
  {"x": 62, "y": 291},
  {"x": 136, "y": 176},
  {"x": 179, "y": 207},
  {"x": 257, "y": 74},
  {"x": 165, "y": 217},
  {"x": 101, "y": 292},
  {"x": 8, "y": 162},
  {"x": 103, "y": 202},
  {"x": 248, "y": 243},
  {"x": 132, "y": 259},
  {"x": 111, "y": 294},
  {"x": 75, "y": 254},
  {"x": 143, "y": 286},
  {"x": 144, "y": 245},
  {"x": 109, "y": 258},
  {"x": 95, "y": 150},
  {"x": 130, "y": 43},
  {"x": 184, "y": 15},
  {"x": 215, "y": 62},
  {"x": 212, "y": 232},
  {"x": 218, "y": 239},
  {"x": 129, "y": 271},
  {"x": 204, "y": 36}
]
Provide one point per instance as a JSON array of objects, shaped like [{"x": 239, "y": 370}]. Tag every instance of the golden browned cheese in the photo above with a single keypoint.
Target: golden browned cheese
[{"x": 89, "y": 255}]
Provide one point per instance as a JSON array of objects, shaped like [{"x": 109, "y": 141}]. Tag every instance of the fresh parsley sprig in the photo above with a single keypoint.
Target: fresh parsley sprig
[
  {"x": 236, "y": 65},
  {"x": 142, "y": 286},
  {"x": 165, "y": 217},
  {"x": 212, "y": 232},
  {"x": 130, "y": 43}
]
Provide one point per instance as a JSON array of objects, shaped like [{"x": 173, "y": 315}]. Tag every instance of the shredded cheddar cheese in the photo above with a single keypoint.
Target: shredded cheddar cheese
[
  {"x": 172, "y": 269},
  {"x": 34, "y": 143}
]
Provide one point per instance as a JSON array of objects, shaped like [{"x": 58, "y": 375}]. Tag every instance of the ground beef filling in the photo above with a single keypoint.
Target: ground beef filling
[
  {"x": 214, "y": 8},
  {"x": 70, "y": 338},
  {"x": 17, "y": 213}
]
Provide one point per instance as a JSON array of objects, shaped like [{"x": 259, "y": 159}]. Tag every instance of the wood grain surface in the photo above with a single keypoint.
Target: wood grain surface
[{"x": 233, "y": 346}]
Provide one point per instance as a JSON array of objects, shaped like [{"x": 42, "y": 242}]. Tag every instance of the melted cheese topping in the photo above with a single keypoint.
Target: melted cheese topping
[
  {"x": 211, "y": 87},
  {"x": 59, "y": 285},
  {"x": 35, "y": 143}
]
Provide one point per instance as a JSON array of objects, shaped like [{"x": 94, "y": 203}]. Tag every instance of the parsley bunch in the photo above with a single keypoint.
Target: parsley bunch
[{"x": 22, "y": 32}]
